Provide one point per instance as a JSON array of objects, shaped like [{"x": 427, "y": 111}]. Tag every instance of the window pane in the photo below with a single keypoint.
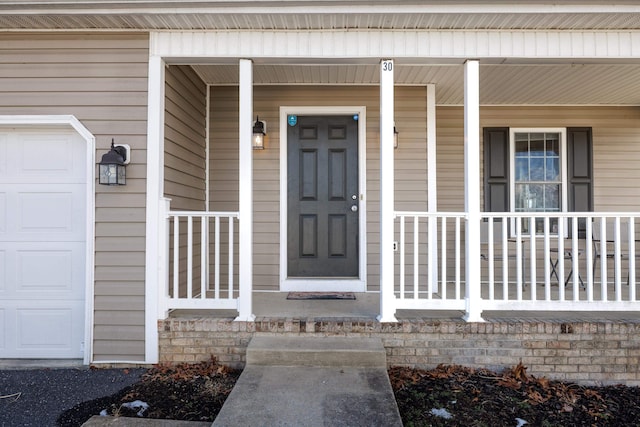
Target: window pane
[
  {"x": 521, "y": 197},
  {"x": 552, "y": 197},
  {"x": 553, "y": 144},
  {"x": 537, "y": 169},
  {"x": 536, "y": 144},
  {"x": 553, "y": 169},
  {"x": 522, "y": 148},
  {"x": 529, "y": 197},
  {"x": 522, "y": 169},
  {"x": 535, "y": 199}
]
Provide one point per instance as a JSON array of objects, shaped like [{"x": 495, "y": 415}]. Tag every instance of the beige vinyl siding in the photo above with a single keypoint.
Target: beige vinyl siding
[
  {"x": 185, "y": 139},
  {"x": 411, "y": 182},
  {"x": 102, "y": 80}
]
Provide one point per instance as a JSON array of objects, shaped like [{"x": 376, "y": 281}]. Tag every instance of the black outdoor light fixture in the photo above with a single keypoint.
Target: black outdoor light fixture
[
  {"x": 113, "y": 165},
  {"x": 259, "y": 134}
]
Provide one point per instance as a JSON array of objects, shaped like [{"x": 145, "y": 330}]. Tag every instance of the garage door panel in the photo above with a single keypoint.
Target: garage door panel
[
  {"x": 52, "y": 158},
  {"x": 58, "y": 208},
  {"x": 3, "y": 155},
  {"x": 45, "y": 271},
  {"x": 44, "y": 331},
  {"x": 3, "y": 272},
  {"x": 55, "y": 270},
  {"x": 3, "y": 213},
  {"x": 3, "y": 329},
  {"x": 44, "y": 213},
  {"x": 58, "y": 160},
  {"x": 40, "y": 329}
]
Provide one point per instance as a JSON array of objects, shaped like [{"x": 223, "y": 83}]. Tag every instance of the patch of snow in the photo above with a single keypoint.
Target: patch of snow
[
  {"x": 104, "y": 413},
  {"x": 521, "y": 422},
  {"x": 137, "y": 404},
  {"x": 442, "y": 413}
]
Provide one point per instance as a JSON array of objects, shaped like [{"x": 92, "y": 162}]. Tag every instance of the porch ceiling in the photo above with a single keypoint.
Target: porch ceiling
[{"x": 511, "y": 84}]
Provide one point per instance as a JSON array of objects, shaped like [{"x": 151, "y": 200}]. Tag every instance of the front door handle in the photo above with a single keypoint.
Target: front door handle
[{"x": 354, "y": 208}]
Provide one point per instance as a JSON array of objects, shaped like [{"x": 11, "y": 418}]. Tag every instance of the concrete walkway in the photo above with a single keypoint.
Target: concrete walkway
[{"x": 297, "y": 381}]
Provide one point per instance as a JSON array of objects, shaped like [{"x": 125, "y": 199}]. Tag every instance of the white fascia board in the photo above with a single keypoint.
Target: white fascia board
[
  {"x": 303, "y": 46},
  {"x": 306, "y": 7}
]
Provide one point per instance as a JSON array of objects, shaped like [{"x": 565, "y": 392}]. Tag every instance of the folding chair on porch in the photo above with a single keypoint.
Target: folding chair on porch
[
  {"x": 501, "y": 244},
  {"x": 610, "y": 244}
]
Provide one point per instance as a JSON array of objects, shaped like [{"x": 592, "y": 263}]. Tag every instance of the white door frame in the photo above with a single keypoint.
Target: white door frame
[
  {"x": 358, "y": 284},
  {"x": 66, "y": 121}
]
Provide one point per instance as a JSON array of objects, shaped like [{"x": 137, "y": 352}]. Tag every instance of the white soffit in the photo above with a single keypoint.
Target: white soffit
[{"x": 321, "y": 21}]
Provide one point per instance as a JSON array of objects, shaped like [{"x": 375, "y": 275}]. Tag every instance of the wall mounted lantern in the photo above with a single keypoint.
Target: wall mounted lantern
[
  {"x": 395, "y": 137},
  {"x": 113, "y": 165},
  {"x": 259, "y": 134}
]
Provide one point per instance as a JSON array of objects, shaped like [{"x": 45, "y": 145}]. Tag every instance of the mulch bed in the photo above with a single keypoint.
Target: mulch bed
[
  {"x": 444, "y": 396},
  {"x": 459, "y": 396},
  {"x": 189, "y": 392}
]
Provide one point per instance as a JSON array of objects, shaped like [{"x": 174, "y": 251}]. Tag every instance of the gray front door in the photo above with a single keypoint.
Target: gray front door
[{"x": 323, "y": 197}]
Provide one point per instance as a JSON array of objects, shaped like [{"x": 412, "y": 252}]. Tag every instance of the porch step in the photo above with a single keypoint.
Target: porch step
[
  {"x": 312, "y": 382},
  {"x": 325, "y": 351}
]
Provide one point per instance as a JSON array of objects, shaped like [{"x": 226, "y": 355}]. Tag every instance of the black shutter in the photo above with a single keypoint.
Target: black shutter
[
  {"x": 580, "y": 173},
  {"x": 496, "y": 169}
]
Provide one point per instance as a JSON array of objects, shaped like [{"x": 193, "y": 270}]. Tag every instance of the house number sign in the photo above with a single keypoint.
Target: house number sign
[{"x": 387, "y": 65}]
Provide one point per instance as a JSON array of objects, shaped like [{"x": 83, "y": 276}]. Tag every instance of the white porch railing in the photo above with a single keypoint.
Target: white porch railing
[
  {"x": 550, "y": 261},
  {"x": 202, "y": 257},
  {"x": 546, "y": 262},
  {"x": 421, "y": 284}
]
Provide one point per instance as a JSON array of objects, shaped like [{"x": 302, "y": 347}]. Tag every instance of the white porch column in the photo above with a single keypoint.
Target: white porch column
[
  {"x": 245, "y": 120},
  {"x": 472, "y": 189},
  {"x": 432, "y": 192},
  {"x": 387, "y": 203},
  {"x": 155, "y": 282}
]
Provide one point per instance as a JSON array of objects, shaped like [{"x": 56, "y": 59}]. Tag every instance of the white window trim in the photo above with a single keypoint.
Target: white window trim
[
  {"x": 563, "y": 168},
  {"x": 324, "y": 284}
]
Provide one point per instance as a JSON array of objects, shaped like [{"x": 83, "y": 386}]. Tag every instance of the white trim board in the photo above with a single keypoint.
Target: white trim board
[
  {"x": 404, "y": 46},
  {"x": 155, "y": 256},
  {"x": 325, "y": 284},
  {"x": 74, "y": 123}
]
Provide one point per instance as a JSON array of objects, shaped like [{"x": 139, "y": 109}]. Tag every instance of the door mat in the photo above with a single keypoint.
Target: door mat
[{"x": 321, "y": 295}]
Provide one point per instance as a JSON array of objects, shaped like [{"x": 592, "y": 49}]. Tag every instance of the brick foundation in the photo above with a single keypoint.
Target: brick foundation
[{"x": 583, "y": 352}]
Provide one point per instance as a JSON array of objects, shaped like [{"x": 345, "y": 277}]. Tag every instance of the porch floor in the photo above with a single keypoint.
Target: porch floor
[{"x": 274, "y": 305}]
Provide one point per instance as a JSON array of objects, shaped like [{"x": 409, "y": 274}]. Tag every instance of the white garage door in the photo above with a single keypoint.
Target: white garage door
[{"x": 42, "y": 244}]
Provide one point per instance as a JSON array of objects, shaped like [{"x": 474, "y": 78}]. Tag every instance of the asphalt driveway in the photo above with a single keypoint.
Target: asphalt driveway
[{"x": 36, "y": 397}]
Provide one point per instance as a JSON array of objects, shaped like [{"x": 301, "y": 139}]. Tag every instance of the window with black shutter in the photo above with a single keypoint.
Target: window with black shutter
[{"x": 538, "y": 170}]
